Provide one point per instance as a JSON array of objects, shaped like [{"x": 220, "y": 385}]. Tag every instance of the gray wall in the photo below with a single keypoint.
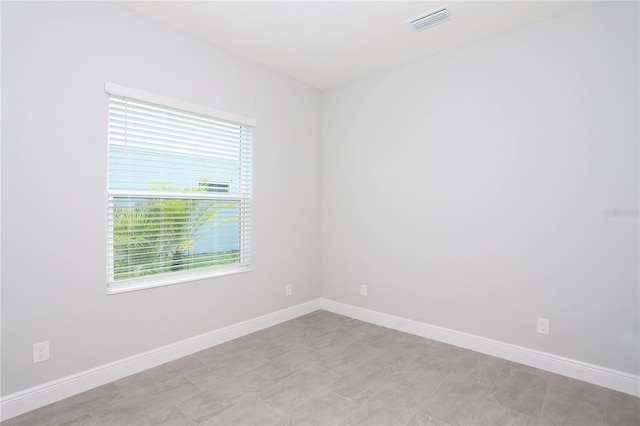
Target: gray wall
[
  {"x": 470, "y": 190},
  {"x": 55, "y": 60}
]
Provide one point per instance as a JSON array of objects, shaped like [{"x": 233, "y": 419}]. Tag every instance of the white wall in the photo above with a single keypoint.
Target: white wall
[
  {"x": 55, "y": 60},
  {"x": 469, "y": 190}
]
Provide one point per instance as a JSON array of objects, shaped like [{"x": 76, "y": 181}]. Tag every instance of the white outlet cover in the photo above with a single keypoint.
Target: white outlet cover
[
  {"x": 543, "y": 326},
  {"x": 40, "y": 352}
]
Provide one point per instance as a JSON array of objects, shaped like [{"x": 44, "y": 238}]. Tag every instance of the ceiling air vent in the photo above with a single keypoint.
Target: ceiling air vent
[{"x": 431, "y": 19}]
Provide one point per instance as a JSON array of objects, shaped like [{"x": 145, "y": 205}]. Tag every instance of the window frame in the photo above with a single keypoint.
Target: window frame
[{"x": 244, "y": 202}]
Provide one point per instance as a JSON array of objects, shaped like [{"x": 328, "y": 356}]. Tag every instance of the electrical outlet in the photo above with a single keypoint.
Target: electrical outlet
[
  {"x": 288, "y": 290},
  {"x": 40, "y": 352},
  {"x": 363, "y": 290},
  {"x": 543, "y": 325}
]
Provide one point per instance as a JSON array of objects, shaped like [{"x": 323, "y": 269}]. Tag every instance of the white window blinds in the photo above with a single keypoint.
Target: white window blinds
[{"x": 179, "y": 191}]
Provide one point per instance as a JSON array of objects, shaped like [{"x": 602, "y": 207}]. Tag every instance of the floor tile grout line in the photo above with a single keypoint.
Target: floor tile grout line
[
  {"x": 606, "y": 409},
  {"x": 489, "y": 394},
  {"x": 544, "y": 401},
  {"x": 184, "y": 414},
  {"x": 347, "y": 415}
]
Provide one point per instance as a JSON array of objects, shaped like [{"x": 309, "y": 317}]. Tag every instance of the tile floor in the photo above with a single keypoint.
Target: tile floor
[{"x": 326, "y": 369}]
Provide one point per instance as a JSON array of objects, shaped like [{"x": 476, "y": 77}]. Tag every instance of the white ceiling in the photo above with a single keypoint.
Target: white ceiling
[{"x": 327, "y": 43}]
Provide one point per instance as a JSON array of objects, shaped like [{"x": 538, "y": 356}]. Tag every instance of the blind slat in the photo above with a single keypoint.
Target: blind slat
[{"x": 179, "y": 194}]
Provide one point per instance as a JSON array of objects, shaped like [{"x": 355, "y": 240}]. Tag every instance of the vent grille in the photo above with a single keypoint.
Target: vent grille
[{"x": 431, "y": 19}]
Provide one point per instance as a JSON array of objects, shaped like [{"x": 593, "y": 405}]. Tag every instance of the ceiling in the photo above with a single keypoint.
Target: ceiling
[{"x": 327, "y": 43}]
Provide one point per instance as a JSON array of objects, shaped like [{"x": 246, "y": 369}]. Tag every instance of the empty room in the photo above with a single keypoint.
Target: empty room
[{"x": 320, "y": 213}]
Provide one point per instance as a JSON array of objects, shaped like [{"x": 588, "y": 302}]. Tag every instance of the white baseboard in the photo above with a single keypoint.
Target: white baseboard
[
  {"x": 47, "y": 393},
  {"x": 602, "y": 376}
]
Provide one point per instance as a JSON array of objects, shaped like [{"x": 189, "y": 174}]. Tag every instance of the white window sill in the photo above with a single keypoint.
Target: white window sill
[{"x": 172, "y": 278}]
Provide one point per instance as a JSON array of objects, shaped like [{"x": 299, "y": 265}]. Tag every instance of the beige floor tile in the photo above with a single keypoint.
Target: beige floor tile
[
  {"x": 393, "y": 405},
  {"x": 161, "y": 373},
  {"x": 422, "y": 419},
  {"x": 170, "y": 416},
  {"x": 295, "y": 389},
  {"x": 621, "y": 409},
  {"x": 457, "y": 401},
  {"x": 323, "y": 408},
  {"x": 425, "y": 374},
  {"x": 325, "y": 369},
  {"x": 564, "y": 410},
  {"x": 495, "y": 414},
  {"x": 296, "y": 359},
  {"x": 203, "y": 406},
  {"x": 521, "y": 388},
  {"x": 247, "y": 412},
  {"x": 363, "y": 382},
  {"x": 576, "y": 389},
  {"x": 348, "y": 358}
]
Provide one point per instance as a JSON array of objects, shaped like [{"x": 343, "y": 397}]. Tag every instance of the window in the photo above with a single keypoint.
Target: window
[{"x": 179, "y": 189}]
